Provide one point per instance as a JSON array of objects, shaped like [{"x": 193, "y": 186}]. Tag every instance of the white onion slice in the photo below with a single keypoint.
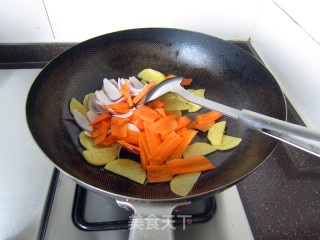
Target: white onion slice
[
  {"x": 93, "y": 106},
  {"x": 103, "y": 98},
  {"x": 92, "y": 116},
  {"x": 121, "y": 82},
  {"x": 119, "y": 150},
  {"x": 87, "y": 133},
  {"x": 121, "y": 115},
  {"x": 111, "y": 90},
  {"x": 136, "y": 83},
  {"x": 129, "y": 149},
  {"x": 82, "y": 121},
  {"x": 133, "y": 91},
  {"x": 114, "y": 82},
  {"x": 133, "y": 127}
]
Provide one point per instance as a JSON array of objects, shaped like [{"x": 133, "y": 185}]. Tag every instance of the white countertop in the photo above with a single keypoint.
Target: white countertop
[{"x": 25, "y": 172}]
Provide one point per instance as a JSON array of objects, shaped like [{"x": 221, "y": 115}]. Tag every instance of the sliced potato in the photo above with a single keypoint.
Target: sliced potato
[
  {"x": 86, "y": 98},
  {"x": 216, "y": 132},
  {"x": 197, "y": 149},
  {"x": 75, "y": 104},
  {"x": 150, "y": 75},
  {"x": 100, "y": 156},
  {"x": 177, "y": 112},
  {"x": 179, "y": 98},
  {"x": 144, "y": 82},
  {"x": 183, "y": 183},
  {"x": 198, "y": 92},
  {"x": 127, "y": 168},
  {"x": 174, "y": 106},
  {"x": 87, "y": 142},
  {"x": 195, "y": 107},
  {"x": 167, "y": 97},
  {"x": 229, "y": 142}
]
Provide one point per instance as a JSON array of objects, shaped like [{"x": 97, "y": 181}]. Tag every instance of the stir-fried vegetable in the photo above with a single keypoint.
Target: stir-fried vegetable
[{"x": 157, "y": 132}]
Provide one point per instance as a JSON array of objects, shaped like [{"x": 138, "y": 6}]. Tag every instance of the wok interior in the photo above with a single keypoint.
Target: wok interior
[{"x": 229, "y": 75}]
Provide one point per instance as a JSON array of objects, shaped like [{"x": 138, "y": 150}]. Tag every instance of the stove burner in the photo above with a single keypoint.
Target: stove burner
[{"x": 79, "y": 204}]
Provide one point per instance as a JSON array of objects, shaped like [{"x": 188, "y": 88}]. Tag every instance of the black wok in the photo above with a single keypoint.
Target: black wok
[{"x": 230, "y": 76}]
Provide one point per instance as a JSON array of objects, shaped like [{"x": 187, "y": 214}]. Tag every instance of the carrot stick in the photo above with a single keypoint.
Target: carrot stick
[
  {"x": 143, "y": 156},
  {"x": 103, "y": 128},
  {"x": 184, "y": 129},
  {"x": 205, "y": 127},
  {"x": 170, "y": 76},
  {"x": 146, "y": 113},
  {"x": 121, "y": 110},
  {"x": 186, "y": 81},
  {"x": 126, "y": 94},
  {"x": 124, "y": 143},
  {"x": 208, "y": 117},
  {"x": 132, "y": 137},
  {"x": 182, "y": 122},
  {"x": 119, "y": 131},
  {"x": 187, "y": 165},
  {"x": 161, "y": 112},
  {"x": 138, "y": 122},
  {"x": 102, "y": 117},
  {"x": 153, "y": 138},
  {"x": 164, "y": 125},
  {"x": 187, "y": 138},
  {"x": 156, "y": 104},
  {"x": 143, "y": 92},
  {"x": 158, "y": 173},
  {"x": 117, "y": 105},
  {"x": 122, "y": 107},
  {"x": 163, "y": 151},
  {"x": 108, "y": 141},
  {"x": 164, "y": 136},
  {"x": 145, "y": 143},
  {"x": 119, "y": 121},
  {"x": 100, "y": 138},
  {"x": 169, "y": 113}
]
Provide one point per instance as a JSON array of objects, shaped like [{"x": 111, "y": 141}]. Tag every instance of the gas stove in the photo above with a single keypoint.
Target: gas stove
[{"x": 81, "y": 214}]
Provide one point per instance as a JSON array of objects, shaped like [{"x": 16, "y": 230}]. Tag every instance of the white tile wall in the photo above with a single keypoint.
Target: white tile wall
[
  {"x": 75, "y": 20},
  {"x": 24, "y": 21},
  {"x": 293, "y": 57}
]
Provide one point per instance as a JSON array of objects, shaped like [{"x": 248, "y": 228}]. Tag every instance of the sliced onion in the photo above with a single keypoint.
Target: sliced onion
[
  {"x": 114, "y": 82},
  {"x": 129, "y": 149},
  {"x": 87, "y": 133},
  {"x": 82, "y": 121},
  {"x": 121, "y": 82},
  {"x": 122, "y": 115},
  {"x": 133, "y": 127},
  {"x": 111, "y": 90},
  {"x": 93, "y": 106},
  {"x": 119, "y": 150},
  {"x": 133, "y": 91},
  {"x": 103, "y": 98},
  {"x": 136, "y": 83},
  {"x": 92, "y": 116}
]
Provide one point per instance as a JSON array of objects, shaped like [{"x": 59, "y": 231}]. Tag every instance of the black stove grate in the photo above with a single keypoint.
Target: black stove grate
[{"x": 79, "y": 205}]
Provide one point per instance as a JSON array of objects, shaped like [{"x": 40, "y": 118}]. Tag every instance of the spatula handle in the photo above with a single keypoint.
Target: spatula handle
[{"x": 301, "y": 137}]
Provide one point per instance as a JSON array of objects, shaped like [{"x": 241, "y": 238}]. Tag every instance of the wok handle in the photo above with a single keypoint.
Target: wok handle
[
  {"x": 301, "y": 137},
  {"x": 151, "y": 220}
]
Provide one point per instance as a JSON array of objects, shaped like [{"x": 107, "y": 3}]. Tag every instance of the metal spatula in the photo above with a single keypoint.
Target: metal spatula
[{"x": 301, "y": 137}]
